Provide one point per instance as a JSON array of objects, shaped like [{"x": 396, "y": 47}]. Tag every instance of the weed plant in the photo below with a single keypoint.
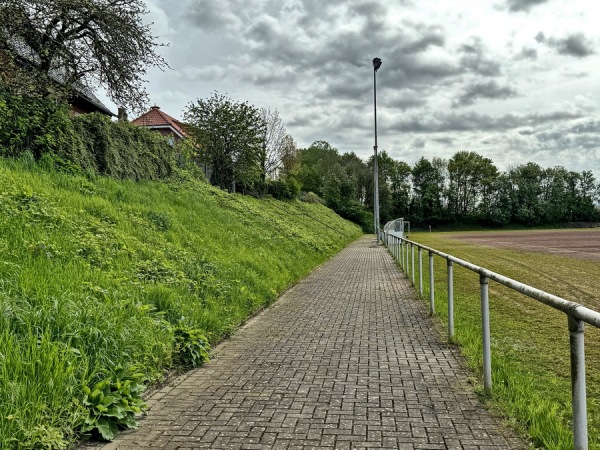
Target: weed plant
[
  {"x": 530, "y": 341},
  {"x": 100, "y": 276}
]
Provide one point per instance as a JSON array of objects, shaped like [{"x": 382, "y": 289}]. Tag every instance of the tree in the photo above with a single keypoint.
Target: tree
[
  {"x": 471, "y": 176},
  {"x": 317, "y": 162},
  {"x": 275, "y": 145},
  {"x": 526, "y": 180},
  {"x": 77, "y": 44},
  {"x": 426, "y": 203},
  {"x": 230, "y": 137}
]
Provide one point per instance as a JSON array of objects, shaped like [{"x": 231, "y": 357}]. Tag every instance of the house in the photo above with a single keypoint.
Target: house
[
  {"x": 173, "y": 129},
  {"x": 81, "y": 99},
  {"x": 84, "y": 102},
  {"x": 160, "y": 121}
]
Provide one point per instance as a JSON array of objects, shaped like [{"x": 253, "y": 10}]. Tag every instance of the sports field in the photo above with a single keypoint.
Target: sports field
[
  {"x": 583, "y": 243},
  {"x": 530, "y": 341}
]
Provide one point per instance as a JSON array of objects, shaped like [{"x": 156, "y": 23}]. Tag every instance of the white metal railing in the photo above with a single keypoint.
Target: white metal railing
[
  {"x": 577, "y": 315},
  {"x": 398, "y": 228}
]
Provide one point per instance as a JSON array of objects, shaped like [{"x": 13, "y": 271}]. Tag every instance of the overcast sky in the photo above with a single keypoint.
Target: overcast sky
[{"x": 513, "y": 80}]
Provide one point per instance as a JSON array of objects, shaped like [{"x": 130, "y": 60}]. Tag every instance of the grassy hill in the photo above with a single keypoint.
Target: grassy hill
[{"x": 107, "y": 284}]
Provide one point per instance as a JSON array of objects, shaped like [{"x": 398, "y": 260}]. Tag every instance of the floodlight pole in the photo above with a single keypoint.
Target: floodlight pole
[{"x": 376, "y": 65}]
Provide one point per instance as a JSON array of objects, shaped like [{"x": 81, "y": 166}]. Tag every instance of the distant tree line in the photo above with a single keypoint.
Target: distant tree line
[{"x": 467, "y": 189}]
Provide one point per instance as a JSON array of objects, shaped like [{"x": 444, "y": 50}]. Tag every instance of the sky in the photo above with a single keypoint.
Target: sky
[{"x": 513, "y": 80}]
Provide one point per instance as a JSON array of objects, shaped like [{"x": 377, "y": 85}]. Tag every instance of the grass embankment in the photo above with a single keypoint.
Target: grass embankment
[
  {"x": 102, "y": 278},
  {"x": 530, "y": 341}
]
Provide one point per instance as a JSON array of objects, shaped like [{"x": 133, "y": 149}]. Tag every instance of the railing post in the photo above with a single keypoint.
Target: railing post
[
  {"x": 450, "y": 302},
  {"x": 485, "y": 332},
  {"x": 431, "y": 287},
  {"x": 420, "y": 272},
  {"x": 580, "y": 436},
  {"x": 412, "y": 266},
  {"x": 402, "y": 254},
  {"x": 407, "y": 260}
]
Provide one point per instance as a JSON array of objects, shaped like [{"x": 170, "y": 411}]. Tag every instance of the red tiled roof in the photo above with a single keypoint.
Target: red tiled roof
[{"x": 155, "y": 118}]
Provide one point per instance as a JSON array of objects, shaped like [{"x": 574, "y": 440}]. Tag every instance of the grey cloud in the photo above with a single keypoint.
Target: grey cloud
[
  {"x": 540, "y": 37},
  {"x": 562, "y": 139},
  {"x": 573, "y": 45},
  {"x": 475, "y": 60},
  {"x": 214, "y": 15},
  {"x": 484, "y": 90},
  {"x": 405, "y": 99},
  {"x": 526, "y": 132},
  {"x": 415, "y": 70},
  {"x": 371, "y": 10},
  {"x": 349, "y": 88},
  {"x": 419, "y": 143},
  {"x": 445, "y": 141},
  {"x": 591, "y": 126},
  {"x": 431, "y": 37},
  {"x": 523, "y": 5},
  {"x": 547, "y": 136},
  {"x": 527, "y": 53},
  {"x": 471, "y": 121}
]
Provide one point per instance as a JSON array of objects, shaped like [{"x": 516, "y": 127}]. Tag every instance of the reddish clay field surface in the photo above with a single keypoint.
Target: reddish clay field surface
[{"x": 582, "y": 244}]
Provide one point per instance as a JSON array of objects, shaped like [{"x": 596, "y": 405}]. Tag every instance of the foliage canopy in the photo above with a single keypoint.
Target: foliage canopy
[
  {"x": 77, "y": 44},
  {"x": 230, "y": 137}
]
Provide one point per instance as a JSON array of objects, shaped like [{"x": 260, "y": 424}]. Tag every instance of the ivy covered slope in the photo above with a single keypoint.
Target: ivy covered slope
[{"x": 104, "y": 283}]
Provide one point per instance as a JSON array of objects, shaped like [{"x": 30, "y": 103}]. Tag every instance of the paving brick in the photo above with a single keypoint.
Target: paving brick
[{"x": 346, "y": 359}]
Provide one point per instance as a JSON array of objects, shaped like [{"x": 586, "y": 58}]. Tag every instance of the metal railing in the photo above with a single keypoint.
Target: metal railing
[
  {"x": 577, "y": 315},
  {"x": 398, "y": 228}
]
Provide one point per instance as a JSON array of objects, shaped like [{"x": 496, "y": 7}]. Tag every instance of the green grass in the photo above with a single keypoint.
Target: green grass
[
  {"x": 530, "y": 341},
  {"x": 96, "y": 273}
]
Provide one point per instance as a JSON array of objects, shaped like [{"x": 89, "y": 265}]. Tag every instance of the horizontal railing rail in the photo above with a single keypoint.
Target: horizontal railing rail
[{"x": 577, "y": 315}]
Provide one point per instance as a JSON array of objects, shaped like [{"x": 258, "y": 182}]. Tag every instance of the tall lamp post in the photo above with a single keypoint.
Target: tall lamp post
[{"x": 376, "y": 66}]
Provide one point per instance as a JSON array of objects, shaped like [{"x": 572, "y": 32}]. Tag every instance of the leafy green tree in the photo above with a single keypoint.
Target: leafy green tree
[
  {"x": 470, "y": 179},
  {"x": 588, "y": 194},
  {"x": 502, "y": 199},
  {"x": 317, "y": 162},
  {"x": 426, "y": 205},
  {"x": 526, "y": 180},
  {"x": 554, "y": 196},
  {"x": 81, "y": 43},
  {"x": 394, "y": 187},
  {"x": 230, "y": 137},
  {"x": 360, "y": 174}
]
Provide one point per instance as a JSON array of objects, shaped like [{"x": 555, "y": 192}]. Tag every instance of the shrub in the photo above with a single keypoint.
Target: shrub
[
  {"x": 191, "y": 346},
  {"x": 113, "y": 403},
  {"x": 122, "y": 150},
  {"x": 89, "y": 141},
  {"x": 279, "y": 189},
  {"x": 311, "y": 197},
  {"x": 35, "y": 125}
]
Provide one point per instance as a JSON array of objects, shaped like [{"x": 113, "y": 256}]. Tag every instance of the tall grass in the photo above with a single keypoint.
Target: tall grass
[
  {"x": 530, "y": 341},
  {"x": 94, "y": 274}
]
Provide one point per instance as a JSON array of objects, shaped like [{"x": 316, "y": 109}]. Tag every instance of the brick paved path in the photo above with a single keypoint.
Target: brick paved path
[{"x": 345, "y": 359}]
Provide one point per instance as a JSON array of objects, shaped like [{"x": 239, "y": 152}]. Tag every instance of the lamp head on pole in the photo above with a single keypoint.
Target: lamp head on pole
[{"x": 376, "y": 63}]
